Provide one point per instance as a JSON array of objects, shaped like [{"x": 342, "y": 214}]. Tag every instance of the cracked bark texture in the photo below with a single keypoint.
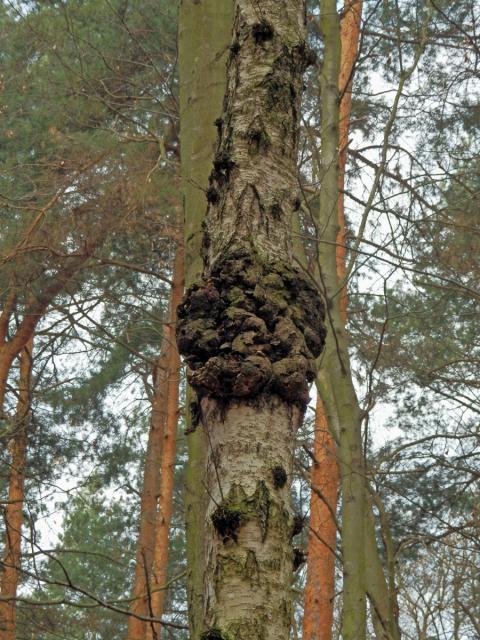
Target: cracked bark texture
[{"x": 251, "y": 329}]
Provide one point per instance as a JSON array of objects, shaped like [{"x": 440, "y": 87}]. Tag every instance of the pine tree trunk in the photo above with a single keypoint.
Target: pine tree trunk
[
  {"x": 34, "y": 310},
  {"x": 250, "y": 331},
  {"x": 148, "y": 505},
  {"x": 7, "y": 356},
  {"x": 167, "y": 464},
  {"x": 320, "y": 585},
  {"x": 349, "y": 39},
  {"x": 10, "y": 573},
  {"x": 202, "y": 71}
]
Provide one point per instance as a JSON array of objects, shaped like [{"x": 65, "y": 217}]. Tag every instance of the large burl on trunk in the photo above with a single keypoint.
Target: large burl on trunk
[{"x": 251, "y": 329}]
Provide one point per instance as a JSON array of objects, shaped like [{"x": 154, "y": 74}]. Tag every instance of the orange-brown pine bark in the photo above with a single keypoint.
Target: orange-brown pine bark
[
  {"x": 320, "y": 585},
  {"x": 350, "y": 35},
  {"x": 159, "y": 572},
  {"x": 148, "y": 505},
  {"x": 10, "y": 570}
]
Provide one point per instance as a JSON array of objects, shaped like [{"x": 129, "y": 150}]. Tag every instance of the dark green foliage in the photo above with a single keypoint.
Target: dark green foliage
[{"x": 92, "y": 558}]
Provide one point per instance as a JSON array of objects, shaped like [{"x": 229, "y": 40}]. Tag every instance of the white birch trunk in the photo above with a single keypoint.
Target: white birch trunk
[{"x": 251, "y": 330}]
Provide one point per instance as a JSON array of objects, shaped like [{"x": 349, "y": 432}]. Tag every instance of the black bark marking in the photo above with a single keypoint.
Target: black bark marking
[
  {"x": 235, "y": 48},
  {"x": 227, "y": 520},
  {"x": 212, "y": 634},
  {"x": 222, "y": 168},
  {"x": 262, "y": 32},
  {"x": 258, "y": 141},
  {"x": 276, "y": 211},
  {"x": 279, "y": 477},
  {"x": 299, "y": 558},
  {"x": 298, "y": 524},
  {"x": 212, "y": 195}
]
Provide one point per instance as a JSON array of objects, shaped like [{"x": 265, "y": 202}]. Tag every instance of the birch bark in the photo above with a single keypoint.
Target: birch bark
[{"x": 250, "y": 331}]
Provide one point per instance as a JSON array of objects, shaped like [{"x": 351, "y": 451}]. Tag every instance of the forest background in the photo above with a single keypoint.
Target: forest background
[{"x": 92, "y": 154}]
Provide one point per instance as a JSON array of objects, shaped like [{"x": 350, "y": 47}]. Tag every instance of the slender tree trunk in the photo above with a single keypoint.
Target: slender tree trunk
[
  {"x": 148, "y": 503},
  {"x": 6, "y": 360},
  {"x": 251, "y": 330},
  {"x": 320, "y": 585},
  {"x": 6, "y": 354},
  {"x": 349, "y": 39},
  {"x": 167, "y": 464},
  {"x": 335, "y": 377},
  {"x": 205, "y": 30},
  {"x": 381, "y": 594},
  {"x": 10, "y": 571}
]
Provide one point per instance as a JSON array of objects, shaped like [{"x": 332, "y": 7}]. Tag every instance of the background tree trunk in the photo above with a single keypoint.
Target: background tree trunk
[
  {"x": 202, "y": 70},
  {"x": 167, "y": 464},
  {"x": 381, "y": 594},
  {"x": 350, "y": 27},
  {"x": 10, "y": 573},
  {"x": 320, "y": 585},
  {"x": 335, "y": 379},
  {"x": 148, "y": 503}
]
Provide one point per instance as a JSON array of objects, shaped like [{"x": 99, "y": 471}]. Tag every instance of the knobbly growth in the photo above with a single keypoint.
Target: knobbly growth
[{"x": 251, "y": 329}]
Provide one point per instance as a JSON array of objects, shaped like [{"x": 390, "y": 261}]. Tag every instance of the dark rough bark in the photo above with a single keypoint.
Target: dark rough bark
[
  {"x": 251, "y": 328},
  {"x": 255, "y": 324}
]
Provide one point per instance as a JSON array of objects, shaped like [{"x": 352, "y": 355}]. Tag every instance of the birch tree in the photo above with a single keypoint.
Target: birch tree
[{"x": 251, "y": 329}]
